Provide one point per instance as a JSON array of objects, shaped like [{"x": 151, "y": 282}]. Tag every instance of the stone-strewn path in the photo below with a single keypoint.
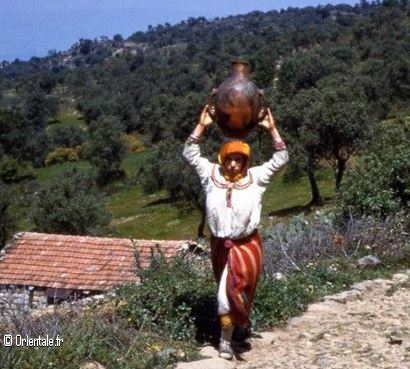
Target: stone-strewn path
[{"x": 367, "y": 327}]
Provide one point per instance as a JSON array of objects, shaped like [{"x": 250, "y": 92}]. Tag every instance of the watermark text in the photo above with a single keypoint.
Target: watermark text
[{"x": 19, "y": 340}]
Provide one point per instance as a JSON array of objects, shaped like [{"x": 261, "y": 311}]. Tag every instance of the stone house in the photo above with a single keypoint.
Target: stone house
[{"x": 39, "y": 269}]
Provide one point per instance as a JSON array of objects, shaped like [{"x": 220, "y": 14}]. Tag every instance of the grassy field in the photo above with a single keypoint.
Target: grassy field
[{"x": 143, "y": 216}]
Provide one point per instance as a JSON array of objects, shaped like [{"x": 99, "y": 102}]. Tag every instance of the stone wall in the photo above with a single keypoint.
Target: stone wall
[{"x": 25, "y": 299}]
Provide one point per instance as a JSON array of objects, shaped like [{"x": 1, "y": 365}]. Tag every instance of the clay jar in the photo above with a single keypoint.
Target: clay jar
[{"x": 237, "y": 105}]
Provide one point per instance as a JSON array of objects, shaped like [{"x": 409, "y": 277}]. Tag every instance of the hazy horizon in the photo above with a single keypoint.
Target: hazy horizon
[{"x": 33, "y": 28}]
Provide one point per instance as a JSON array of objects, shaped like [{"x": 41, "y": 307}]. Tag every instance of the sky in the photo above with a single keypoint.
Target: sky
[{"x": 34, "y": 27}]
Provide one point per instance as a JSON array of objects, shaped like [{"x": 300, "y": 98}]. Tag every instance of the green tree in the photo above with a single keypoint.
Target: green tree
[
  {"x": 63, "y": 135},
  {"x": 21, "y": 138},
  {"x": 303, "y": 136},
  {"x": 330, "y": 122},
  {"x": 7, "y": 223},
  {"x": 13, "y": 171},
  {"x": 380, "y": 185},
  {"x": 36, "y": 111},
  {"x": 384, "y": 48},
  {"x": 13, "y": 135},
  {"x": 85, "y": 46},
  {"x": 343, "y": 121},
  {"x": 47, "y": 82},
  {"x": 92, "y": 107},
  {"x": 105, "y": 149},
  {"x": 70, "y": 204}
]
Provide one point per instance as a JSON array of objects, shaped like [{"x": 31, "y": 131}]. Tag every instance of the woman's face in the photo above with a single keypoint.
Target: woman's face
[{"x": 234, "y": 164}]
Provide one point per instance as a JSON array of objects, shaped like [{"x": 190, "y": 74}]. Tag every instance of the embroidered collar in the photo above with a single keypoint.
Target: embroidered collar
[{"x": 223, "y": 183}]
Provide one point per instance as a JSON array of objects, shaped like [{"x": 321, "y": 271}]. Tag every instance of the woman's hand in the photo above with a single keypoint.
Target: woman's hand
[
  {"x": 205, "y": 119},
  {"x": 270, "y": 125},
  {"x": 268, "y": 122}
]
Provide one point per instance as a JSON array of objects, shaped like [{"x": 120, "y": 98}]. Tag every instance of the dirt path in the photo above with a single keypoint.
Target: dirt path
[{"x": 367, "y": 327}]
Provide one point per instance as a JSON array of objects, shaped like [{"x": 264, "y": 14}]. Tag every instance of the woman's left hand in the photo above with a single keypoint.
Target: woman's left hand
[{"x": 268, "y": 122}]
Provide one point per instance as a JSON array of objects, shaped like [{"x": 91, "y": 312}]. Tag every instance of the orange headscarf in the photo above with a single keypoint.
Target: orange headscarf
[{"x": 235, "y": 147}]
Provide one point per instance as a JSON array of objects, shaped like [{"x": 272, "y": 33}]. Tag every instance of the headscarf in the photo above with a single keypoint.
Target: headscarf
[{"x": 234, "y": 147}]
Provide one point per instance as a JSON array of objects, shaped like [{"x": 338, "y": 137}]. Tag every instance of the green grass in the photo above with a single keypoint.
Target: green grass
[
  {"x": 143, "y": 216},
  {"x": 133, "y": 162},
  {"x": 284, "y": 198},
  {"x": 138, "y": 215},
  {"x": 71, "y": 119},
  {"x": 46, "y": 174}
]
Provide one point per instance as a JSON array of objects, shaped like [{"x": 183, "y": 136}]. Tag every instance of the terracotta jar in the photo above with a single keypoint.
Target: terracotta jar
[{"x": 237, "y": 105}]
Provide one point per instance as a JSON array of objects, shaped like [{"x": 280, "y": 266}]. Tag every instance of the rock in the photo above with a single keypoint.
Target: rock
[
  {"x": 279, "y": 276},
  {"x": 344, "y": 297},
  {"x": 328, "y": 306},
  {"x": 369, "y": 261},
  {"x": 400, "y": 278},
  {"x": 208, "y": 352},
  {"x": 363, "y": 286},
  {"x": 395, "y": 340},
  {"x": 306, "y": 335},
  {"x": 91, "y": 364},
  {"x": 213, "y": 363}
]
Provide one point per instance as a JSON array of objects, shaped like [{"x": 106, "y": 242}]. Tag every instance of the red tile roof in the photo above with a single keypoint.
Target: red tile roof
[{"x": 76, "y": 262}]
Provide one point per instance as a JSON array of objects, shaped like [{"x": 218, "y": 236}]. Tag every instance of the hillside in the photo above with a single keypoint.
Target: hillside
[{"x": 164, "y": 38}]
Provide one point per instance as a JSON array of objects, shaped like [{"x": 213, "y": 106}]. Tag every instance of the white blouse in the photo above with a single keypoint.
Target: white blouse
[{"x": 237, "y": 214}]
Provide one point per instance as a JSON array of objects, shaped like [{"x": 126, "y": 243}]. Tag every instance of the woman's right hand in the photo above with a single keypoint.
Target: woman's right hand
[{"x": 205, "y": 119}]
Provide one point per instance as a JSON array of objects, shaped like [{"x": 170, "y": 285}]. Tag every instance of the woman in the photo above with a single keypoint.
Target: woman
[{"x": 234, "y": 193}]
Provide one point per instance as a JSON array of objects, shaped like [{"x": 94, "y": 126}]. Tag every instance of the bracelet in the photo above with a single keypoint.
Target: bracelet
[
  {"x": 192, "y": 139},
  {"x": 278, "y": 145}
]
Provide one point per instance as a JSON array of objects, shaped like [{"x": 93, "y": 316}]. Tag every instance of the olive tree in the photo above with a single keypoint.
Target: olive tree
[
  {"x": 7, "y": 223},
  {"x": 70, "y": 204},
  {"x": 105, "y": 149}
]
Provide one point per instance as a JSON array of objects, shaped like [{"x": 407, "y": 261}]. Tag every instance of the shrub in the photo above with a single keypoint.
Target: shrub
[
  {"x": 159, "y": 321},
  {"x": 63, "y": 154},
  {"x": 288, "y": 247},
  {"x": 66, "y": 135},
  {"x": 367, "y": 191},
  {"x": 89, "y": 334},
  {"x": 11, "y": 171},
  {"x": 382, "y": 237},
  {"x": 380, "y": 185},
  {"x": 133, "y": 143},
  {"x": 176, "y": 299},
  {"x": 278, "y": 300}
]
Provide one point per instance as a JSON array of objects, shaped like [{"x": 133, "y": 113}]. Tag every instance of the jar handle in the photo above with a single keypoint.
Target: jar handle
[
  {"x": 264, "y": 108},
  {"x": 211, "y": 103}
]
